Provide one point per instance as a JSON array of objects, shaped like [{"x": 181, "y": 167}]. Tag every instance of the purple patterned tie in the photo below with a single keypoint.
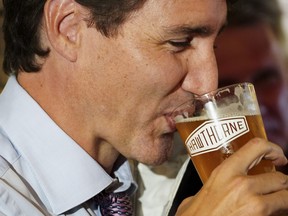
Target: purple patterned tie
[{"x": 114, "y": 204}]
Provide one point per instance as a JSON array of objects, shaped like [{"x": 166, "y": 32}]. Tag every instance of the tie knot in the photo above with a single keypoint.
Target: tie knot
[{"x": 114, "y": 203}]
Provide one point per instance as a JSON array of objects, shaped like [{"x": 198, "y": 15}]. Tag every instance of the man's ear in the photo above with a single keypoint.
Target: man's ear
[{"x": 62, "y": 24}]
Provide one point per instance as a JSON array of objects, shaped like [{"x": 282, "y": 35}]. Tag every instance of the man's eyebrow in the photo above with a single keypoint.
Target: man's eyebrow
[{"x": 198, "y": 30}]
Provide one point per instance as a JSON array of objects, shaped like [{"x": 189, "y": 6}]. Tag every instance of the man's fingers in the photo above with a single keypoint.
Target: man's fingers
[
  {"x": 276, "y": 203},
  {"x": 257, "y": 184},
  {"x": 271, "y": 204},
  {"x": 276, "y": 155},
  {"x": 251, "y": 154}
]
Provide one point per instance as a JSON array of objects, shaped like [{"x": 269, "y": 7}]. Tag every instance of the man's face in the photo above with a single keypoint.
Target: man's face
[
  {"x": 253, "y": 54},
  {"x": 132, "y": 82}
]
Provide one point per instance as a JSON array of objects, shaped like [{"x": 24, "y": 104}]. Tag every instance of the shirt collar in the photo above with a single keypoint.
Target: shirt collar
[{"x": 67, "y": 174}]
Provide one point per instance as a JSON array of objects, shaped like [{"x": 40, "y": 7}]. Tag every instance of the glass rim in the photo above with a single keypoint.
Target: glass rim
[
  {"x": 222, "y": 88},
  {"x": 211, "y": 93}
]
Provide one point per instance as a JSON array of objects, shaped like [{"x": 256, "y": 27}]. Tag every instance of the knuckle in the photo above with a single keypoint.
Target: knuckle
[
  {"x": 280, "y": 178},
  {"x": 261, "y": 144},
  {"x": 256, "y": 140},
  {"x": 283, "y": 179},
  {"x": 243, "y": 183},
  {"x": 216, "y": 172}
]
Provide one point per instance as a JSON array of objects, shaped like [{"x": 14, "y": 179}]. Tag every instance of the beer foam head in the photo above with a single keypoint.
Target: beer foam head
[
  {"x": 214, "y": 115},
  {"x": 233, "y": 105},
  {"x": 180, "y": 118}
]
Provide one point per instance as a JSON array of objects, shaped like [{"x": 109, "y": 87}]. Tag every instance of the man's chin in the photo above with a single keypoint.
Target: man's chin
[{"x": 165, "y": 154}]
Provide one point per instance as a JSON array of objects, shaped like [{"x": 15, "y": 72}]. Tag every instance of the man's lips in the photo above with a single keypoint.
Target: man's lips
[{"x": 171, "y": 123}]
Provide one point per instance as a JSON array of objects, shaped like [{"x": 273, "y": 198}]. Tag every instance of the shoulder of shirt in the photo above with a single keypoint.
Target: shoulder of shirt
[
  {"x": 8, "y": 152},
  {"x": 14, "y": 193},
  {"x": 4, "y": 166},
  {"x": 15, "y": 197}
]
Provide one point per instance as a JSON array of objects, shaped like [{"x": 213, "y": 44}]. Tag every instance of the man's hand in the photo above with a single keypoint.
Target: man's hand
[{"x": 230, "y": 191}]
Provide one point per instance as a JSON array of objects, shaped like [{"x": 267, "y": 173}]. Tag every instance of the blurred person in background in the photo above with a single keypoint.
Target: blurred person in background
[{"x": 251, "y": 49}]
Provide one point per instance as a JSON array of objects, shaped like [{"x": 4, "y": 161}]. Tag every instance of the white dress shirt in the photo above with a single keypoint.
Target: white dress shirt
[
  {"x": 160, "y": 188},
  {"x": 42, "y": 170}
]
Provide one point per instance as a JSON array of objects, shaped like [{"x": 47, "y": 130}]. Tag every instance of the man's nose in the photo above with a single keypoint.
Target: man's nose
[{"x": 202, "y": 75}]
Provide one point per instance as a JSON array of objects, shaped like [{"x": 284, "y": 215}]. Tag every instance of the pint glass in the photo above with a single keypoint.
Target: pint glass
[{"x": 215, "y": 125}]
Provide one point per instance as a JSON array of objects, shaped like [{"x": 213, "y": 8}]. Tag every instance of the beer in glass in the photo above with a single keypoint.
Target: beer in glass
[{"x": 215, "y": 125}]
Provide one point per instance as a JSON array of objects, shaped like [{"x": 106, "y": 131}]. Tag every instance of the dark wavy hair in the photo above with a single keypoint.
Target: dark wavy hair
[{"x": 22, "y": 22}]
